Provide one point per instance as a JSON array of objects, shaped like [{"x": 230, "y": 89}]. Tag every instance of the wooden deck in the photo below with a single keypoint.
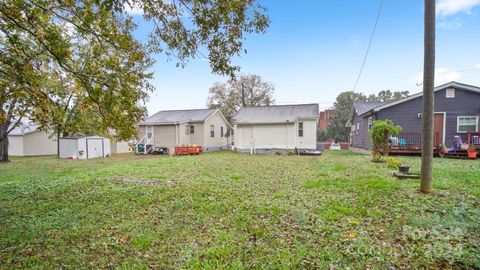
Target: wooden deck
[{"x": 410, "y": 143}]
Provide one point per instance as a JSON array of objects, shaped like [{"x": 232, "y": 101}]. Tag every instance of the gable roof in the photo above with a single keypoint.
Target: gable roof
[
  {"x": 452, "y": 84},
  {"x": 23, "y": 129},
  {"x": 362, "y": 107},
  {"x": 178, "y": 116},
  {"x": 276, "y": 113}
]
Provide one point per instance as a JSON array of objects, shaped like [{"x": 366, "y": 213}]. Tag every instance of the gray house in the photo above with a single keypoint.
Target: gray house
[{"x": 457, "y": 112}]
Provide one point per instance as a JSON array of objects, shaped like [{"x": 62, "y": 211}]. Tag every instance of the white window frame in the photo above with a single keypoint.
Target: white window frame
[
  {"x": 221, "y": 132},
  {"x": 212, "y": 131},
  {"x": 358, "y": 127},
  {"x": 370, "y": 122},
  {"x": 300, "y": 129},
  {"x": 191, "y": 129},
  {"x": 465, "y": 116},
  {"x": 187, "y": 130},
  {"x": 450, "y": 93}
]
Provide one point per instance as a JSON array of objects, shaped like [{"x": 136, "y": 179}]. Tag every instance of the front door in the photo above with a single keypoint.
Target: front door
[{"x": 438, "y": 129}]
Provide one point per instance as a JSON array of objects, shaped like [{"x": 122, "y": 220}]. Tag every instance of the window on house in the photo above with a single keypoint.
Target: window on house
[
  {"x": 149, "y": 132},
  {"x": 370, "y": 122},
  {"x": 352, "y": 130},
  {"x": 187, "y": 130},
  {"x": 358, "y": 127},
  {"x": 212, "y": 131},
  {"x": 221, "y": 132},
  {"x": 192, "y": 129},
  {"x": 450, "y": 93},
  {"x": 467, "y": 123},
  {"x": 300, "y": 129}
]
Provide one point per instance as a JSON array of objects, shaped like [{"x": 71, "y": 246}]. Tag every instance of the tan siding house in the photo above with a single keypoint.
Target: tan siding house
[
  {"x": 269, "y": 129},
  {"x": 204, "y": 127}
]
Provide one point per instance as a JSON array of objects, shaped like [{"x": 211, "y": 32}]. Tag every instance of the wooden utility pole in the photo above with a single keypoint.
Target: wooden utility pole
[{"x": 428, "y": 97}]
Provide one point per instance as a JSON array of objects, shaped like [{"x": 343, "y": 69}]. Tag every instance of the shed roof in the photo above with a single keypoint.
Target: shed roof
[
  {"x": 23, "y": 129},
  {"x": 176, "y": 116},
  {"x": 276, "y": 113}
]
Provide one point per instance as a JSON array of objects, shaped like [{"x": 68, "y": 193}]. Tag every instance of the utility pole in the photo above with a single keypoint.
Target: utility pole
[{"x": 428, "y": 97}]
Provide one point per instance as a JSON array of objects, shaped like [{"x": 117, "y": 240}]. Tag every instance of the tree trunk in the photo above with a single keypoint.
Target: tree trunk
[
  {"x": 428, "y": 97},
  {"x": 244, "y": 104},
  {"x": 4, "y": 142},
  {"x": 58, "y": 143}
]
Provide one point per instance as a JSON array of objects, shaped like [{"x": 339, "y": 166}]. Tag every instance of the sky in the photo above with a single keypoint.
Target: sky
[{"x": 313, "y": 50}]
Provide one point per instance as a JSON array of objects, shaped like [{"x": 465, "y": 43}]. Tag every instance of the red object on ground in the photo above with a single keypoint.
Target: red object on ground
[
  {"x": 188, "y": 150},
  {"x": 472, "y": 155}
]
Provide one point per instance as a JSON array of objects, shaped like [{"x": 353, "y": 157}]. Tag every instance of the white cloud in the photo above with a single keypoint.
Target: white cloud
[
  {"x": 450, "y": 24},
  {"x": 132, "y": 9},
  {"x": 451, "y": 7},
  {"x": 442, "y": 75}
]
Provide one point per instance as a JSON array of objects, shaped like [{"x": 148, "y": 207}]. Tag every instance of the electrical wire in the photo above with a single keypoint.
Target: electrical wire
[{"x": 369, "y": 45}]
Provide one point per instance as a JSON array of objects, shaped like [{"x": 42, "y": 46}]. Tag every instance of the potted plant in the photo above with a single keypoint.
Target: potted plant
[{"x": 472, "y": 152}]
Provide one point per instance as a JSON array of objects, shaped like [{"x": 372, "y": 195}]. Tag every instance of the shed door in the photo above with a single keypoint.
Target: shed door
[{"x": 94, "y": 147}]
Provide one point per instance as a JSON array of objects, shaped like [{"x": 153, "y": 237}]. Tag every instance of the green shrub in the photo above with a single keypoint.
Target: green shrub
[
  {"x": 379, "y": 132},
  {"x": 393, "y": 163}
]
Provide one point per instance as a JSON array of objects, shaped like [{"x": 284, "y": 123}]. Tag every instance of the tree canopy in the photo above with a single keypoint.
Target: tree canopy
[
  {"x": 64, "y": 60},
  {"x": 344, "y": 109},
  {"x": 244, "y": 91}
]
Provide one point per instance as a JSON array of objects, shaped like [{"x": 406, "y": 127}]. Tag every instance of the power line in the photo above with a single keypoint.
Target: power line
[{"x": 369, "y": 45}]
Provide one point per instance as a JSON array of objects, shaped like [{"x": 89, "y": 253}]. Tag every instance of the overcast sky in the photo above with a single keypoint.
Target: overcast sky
[{"x": 313, "y": 50}]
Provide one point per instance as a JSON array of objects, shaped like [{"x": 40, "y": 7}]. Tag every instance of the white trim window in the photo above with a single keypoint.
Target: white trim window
[
  {"x": 192, "y": 129},
  {"x": 221, "y": 132},
  {"x": 212, "y": 131},
  {"x": 352, "y": 130},
  {"x": 467, "y": 123},
  {"x": 300, "y": 129},
  {"x": 149, "y": 132},
  {"x": 358, "y": 128},
  {"x": 450, "y": 93},
  {"x": 187, "y": 130},
  {"x": 370, "y": 122}
]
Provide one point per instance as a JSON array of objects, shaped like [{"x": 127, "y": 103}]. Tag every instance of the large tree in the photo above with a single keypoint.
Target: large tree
[
  {"x": 344, "y": 109},
  {"x": 90, "y": 44},
  {"x": 244, "y": 91}
]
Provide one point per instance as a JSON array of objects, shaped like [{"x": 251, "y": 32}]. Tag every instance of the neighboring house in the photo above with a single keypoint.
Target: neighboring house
[
  {"x": 119, "y": 147},
  {"x": 28, "y": 140},
  {"x": 273, "y": 128},
  {"x": 204, "y": 127},
  {"x": 324, "y": 119},
  {"x": 457, "y": 111}
]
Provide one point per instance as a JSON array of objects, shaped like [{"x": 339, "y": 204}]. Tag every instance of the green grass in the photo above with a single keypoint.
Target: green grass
[{"x": 229, "y": 211}]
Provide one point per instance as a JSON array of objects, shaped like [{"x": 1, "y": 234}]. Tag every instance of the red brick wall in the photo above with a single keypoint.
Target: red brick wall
[{"x": 324, "y": 119}]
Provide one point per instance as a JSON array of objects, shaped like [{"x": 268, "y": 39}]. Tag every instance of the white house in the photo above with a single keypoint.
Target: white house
[
  {"x": 203, "y": 127},
  {"x": 28, "y": 140},
  {"x": 84, "y": 147},
  {"x": 267, "y": 129}
]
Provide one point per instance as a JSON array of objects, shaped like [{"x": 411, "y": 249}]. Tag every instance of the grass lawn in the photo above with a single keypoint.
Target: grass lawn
[{"x": 225, "y": 210}]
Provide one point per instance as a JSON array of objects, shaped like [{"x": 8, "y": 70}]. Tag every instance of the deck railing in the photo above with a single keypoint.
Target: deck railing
[{"x": 406, "y": 141}]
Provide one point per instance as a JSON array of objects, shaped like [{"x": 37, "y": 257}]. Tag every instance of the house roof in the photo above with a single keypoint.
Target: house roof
[
  {"x": 276, "y": 113},
  {"x": 177, "y": 116},
  {"x": 452, "y": 84},
  {"x": 23, "y": 129},
  {"x": 362, "y": 107}
]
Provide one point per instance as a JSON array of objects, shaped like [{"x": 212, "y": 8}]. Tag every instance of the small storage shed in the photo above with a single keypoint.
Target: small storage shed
[{"x": 84, "y": 147}]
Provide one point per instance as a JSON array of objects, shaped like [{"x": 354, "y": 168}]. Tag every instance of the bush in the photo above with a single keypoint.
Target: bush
[
  {"x": 379, "y": 132},
  {"x": 393, "y": 163}
]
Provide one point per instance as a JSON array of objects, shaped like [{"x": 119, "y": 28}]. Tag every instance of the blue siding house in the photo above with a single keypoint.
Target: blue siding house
[{"x": 457, "y": 112}]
